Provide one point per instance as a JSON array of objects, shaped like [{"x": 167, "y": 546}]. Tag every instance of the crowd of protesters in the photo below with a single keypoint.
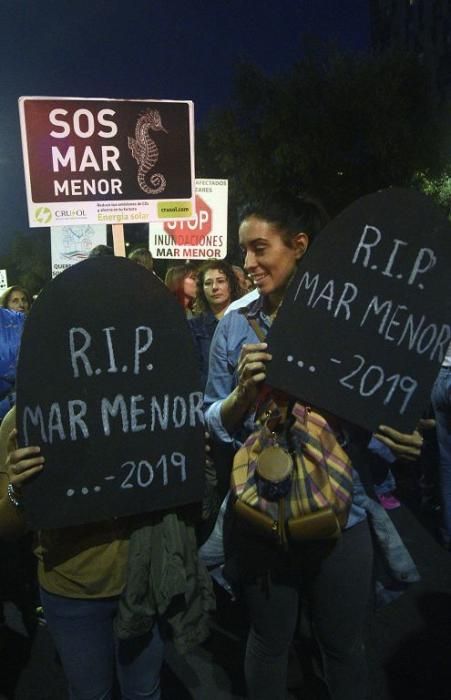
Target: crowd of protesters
[{"x": 81, "y": 593}]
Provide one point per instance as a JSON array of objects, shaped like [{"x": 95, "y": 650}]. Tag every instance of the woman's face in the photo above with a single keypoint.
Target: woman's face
[
  {"x": 269, "y": 261},
  {"x": 190, "y": 286},
  {"x": 216, "y": 289},
  {"x": 18, "y": 301}
]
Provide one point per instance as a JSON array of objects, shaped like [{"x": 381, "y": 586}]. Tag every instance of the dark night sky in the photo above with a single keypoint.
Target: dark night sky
[{"x": 171, "y": 49}]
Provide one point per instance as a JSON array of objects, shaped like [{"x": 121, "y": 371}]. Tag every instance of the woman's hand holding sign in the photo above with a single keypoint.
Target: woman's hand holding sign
[
  {"x": 252, "y": 370},
  {"x": 405, "y": 446},
  {"x": 22, "y": 463},
  {"x": 251, "y": 373}
]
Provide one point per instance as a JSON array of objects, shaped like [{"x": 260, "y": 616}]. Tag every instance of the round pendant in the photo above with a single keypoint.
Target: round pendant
[{"x": 274, "y": 463}]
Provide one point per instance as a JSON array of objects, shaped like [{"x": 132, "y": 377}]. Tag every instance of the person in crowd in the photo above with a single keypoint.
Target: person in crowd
[
  {"x": 143, "y": 257},
  {"x": 100, "y": 250},
  {"x": 181, "y": 280},
  {"x": 441, "y": 403},
  {"x": 112, "y": 591},
  {"x": 11, "y": 328},
  {"x": 16, "y": 298},
  {"x": 244, "y": 281},
  {"x": 17, "y": 581},
  {"x": 217, "y": 286},
  {"x": 334, "y": 579}
]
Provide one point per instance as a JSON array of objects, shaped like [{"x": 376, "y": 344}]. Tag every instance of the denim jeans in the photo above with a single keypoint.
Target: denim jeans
[
  {"x": 82, "y": 630},
  {"x": 441, "y": 402},
  {"x": 336, "y": 583},
  {"x": 394, "y": 552},
  {"x": 212, "y": 550},
  {"x": 388, "y": 485}
]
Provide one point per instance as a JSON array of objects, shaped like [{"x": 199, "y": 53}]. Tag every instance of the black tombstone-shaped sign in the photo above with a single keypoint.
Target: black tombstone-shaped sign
[
  {"x": 365, "y": 323},
  {"x": 108, "y": 386}
]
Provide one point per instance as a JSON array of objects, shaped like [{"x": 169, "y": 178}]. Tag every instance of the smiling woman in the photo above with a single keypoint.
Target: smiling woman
[
  {"x": 269, "y": 261},
  {"x": 335, "y": 577}
]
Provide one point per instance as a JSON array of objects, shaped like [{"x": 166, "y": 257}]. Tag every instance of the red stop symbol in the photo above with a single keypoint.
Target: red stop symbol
[{"x": 191, "y": 231}]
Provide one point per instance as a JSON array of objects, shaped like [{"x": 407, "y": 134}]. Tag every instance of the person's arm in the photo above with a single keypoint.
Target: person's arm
[
  {"x": 236, "y": 370},
  {"x": 18, "y": 466}
]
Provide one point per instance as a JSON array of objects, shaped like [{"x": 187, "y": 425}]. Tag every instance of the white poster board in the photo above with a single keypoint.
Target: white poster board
[
  {"x": 201, "y": 238},
  {"x": 3, "y": 280},
  {"x": 102, "y": 161},
  {"x": 71, "y": 244}
]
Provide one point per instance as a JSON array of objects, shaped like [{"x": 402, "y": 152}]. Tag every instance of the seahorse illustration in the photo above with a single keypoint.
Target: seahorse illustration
[{"x": 145, "y": 152}]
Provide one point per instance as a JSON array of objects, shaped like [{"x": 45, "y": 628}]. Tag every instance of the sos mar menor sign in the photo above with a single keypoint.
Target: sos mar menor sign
[
  {"x": 365, "y": 323},
  {"x": 103, "y": 161},
  {"x": 203, "y": 237}
]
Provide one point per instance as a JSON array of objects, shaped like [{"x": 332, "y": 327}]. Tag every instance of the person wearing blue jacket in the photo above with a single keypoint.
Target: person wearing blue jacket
[{"x": 11, "y": 327}]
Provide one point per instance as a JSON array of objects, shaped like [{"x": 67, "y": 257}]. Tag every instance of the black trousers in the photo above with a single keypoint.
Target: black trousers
[{"x": 335, "y": 580}]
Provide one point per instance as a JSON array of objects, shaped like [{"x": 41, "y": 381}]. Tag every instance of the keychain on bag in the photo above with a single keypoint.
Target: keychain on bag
[{"x": 292, "y": 479}]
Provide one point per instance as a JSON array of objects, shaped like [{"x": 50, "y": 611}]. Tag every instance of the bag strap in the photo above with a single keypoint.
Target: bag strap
[
  {"x": 258, "y": 330},
  {"x": 264, "y": 399},
  {"x": 267, "y": 398}
]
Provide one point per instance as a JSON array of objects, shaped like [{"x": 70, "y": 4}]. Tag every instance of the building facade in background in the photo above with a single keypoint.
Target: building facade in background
[{"x": 420, "y": 26}]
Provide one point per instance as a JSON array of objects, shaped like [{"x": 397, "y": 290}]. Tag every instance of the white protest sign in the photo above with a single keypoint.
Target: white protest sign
[
  {"x": 102, "y": 161},
  {"x": 205, "y": 236},
  {"x": 3, "y": 280},
  {"x": 71, "y": 244}
]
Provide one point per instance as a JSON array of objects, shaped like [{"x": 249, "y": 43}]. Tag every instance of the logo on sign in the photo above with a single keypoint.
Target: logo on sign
[
  {"x": 70, "y": 213},
  {"x": 173, "y": 210},
  {"x": 145, "y": 152},
  {"x": 193, "y": 231},
  {"x": 43, "y": 215}
]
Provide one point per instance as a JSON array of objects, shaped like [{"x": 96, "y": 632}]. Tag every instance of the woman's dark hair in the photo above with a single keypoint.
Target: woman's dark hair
[
  {"x": 290, "y": 213},
  {"x": 143, "y": 257},
  {"x": 100, "y": 250},
  {"x": 4, "y": 298},
  {"x": 201, "y": 304},
  {"x": 175, "y": 276}
]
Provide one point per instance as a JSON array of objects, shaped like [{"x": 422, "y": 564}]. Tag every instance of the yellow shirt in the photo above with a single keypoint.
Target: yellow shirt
[{"x": 86, "y": 561}]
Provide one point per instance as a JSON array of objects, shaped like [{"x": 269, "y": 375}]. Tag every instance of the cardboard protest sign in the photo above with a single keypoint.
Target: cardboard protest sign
[
  {"x": 108, "y": 386},
  {"x": 101, "y": 161},
  {"x": 365, "y": 323},
  {"x": 72, "y": 244},
  {"x": 202, "y": 238}
]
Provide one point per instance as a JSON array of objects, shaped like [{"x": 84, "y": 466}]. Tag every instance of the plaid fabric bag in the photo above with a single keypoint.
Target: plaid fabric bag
[{"x": 291, "y": 479}]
